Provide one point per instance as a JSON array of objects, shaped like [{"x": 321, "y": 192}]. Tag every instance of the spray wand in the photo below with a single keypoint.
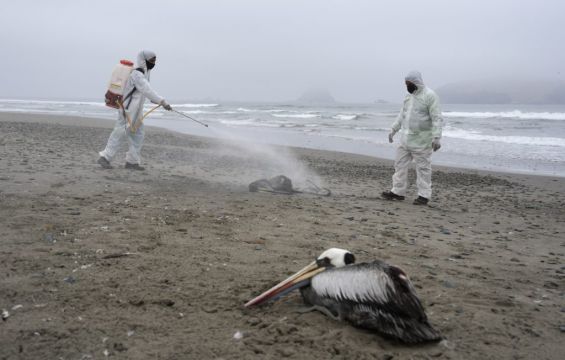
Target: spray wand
[{"x": 183, "y": 114}]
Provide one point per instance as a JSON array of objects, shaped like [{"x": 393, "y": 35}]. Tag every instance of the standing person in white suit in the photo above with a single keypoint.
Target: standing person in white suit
[
  {"x": 137, "y": 89},
  {"x": 420, "y": 124}
]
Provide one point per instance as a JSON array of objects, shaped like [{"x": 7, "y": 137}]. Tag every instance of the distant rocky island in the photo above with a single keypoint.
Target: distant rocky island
[{"x": 503, "y": 92}]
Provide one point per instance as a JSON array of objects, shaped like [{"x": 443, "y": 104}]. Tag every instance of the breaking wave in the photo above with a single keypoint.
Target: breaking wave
[
  {"x": 196, "y": 105},
  {"x": 208, "y": 112},
  {"x": 346, "y": 117},
  {"x": 510, "y": 139},
  {"x": 301, "y": 116},
  {"x": 516, "y": 114},
  {"x": 242, "y": 109}
]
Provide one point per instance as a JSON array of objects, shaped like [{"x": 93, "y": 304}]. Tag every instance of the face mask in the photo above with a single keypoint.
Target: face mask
[
  {"x": 150, "y": 65},
  {"x": 411, "y": 88}
]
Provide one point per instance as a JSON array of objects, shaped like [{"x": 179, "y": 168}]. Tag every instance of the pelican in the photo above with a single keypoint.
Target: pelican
[{"x": 374, "y": 295}]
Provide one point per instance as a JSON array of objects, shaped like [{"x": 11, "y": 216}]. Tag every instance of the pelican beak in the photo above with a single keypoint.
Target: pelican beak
[{"x": 297, "y": 280}]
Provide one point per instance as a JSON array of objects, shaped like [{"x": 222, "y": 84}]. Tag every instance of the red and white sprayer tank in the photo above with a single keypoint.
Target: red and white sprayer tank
[{"x": 114, "y": 95}]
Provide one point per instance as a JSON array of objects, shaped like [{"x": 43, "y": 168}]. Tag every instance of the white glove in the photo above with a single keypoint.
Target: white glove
[
  {"x": 436, "y": 144},
  {"x": 166, "y": 105}
]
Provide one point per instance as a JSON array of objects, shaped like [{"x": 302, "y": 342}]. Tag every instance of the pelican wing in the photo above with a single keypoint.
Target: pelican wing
[
  {"x": 374, "y": 283},
  {"x": 376, "y": 296}
]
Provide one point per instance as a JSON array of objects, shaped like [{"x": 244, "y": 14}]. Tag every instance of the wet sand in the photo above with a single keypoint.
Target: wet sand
[{"x": 157, "y": 264}]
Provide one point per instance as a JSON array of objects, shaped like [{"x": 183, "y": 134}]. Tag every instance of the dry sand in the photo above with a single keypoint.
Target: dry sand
[{"x": 157, "y": 264}]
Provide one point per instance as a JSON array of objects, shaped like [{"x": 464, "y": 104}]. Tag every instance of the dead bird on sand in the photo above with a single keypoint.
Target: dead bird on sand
[{"x": 283, "y": 185}]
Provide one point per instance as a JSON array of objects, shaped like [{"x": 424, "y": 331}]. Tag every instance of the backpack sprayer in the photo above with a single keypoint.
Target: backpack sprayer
[{"x": 115, "y": 96}]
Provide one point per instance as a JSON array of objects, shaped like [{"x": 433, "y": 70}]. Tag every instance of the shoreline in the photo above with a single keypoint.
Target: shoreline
[
  {"x": 107, "y": 123},
  {"x": 158, "y": 264}
]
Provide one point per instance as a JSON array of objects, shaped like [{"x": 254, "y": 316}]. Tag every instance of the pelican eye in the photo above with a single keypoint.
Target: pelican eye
[{"x": 324, "y": 262}]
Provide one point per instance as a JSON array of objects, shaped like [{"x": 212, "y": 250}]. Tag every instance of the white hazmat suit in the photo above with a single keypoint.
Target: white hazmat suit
[
  {"x": 134, "y": 107},
  {"x": 420, "y": 124}
]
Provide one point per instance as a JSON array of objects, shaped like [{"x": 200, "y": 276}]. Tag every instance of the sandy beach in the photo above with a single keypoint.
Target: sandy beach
[{"x": 158, "y": 264}]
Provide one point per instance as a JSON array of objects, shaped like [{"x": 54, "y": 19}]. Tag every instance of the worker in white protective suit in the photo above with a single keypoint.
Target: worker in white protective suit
[
  {"x": 419, "y": 123},
  {"x": 136, "y": 90}
]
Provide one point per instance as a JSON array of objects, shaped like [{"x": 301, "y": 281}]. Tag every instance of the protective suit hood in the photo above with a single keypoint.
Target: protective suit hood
[
  {"x": 142, "y": 57},
  {"x": 415, "y": 77}
]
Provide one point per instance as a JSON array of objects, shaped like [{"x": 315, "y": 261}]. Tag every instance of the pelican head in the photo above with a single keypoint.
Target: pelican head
[
  {"x": 335, "y": 257},
  {"x": 330, "y": 258}
]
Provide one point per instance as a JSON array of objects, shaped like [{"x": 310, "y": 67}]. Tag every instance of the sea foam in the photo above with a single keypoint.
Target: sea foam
[
  {"x": 195, "y": 105},
  {"x": 300, "y": 116},
  {"x": 345, "y": 117},
  {"x": 517, "y": 114},
  {"x": 509, "y": 139}
]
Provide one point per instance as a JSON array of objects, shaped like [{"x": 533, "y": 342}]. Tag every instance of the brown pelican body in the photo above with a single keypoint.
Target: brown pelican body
[{"x": 374, "y": 296}]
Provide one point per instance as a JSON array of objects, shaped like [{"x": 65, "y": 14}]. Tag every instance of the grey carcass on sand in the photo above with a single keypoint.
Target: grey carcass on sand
[{"x": 283, "y": 185}]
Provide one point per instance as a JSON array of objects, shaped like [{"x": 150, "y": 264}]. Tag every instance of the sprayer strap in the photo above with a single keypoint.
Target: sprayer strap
[
  {"x": 133, "y": 90},
  {"x": 128, "y": 96}
]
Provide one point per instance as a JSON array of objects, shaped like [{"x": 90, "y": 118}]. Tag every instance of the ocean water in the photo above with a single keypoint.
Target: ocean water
[{"x": 510, "y": 138}]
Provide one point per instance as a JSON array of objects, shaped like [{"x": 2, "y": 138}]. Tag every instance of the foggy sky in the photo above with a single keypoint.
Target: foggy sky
[{"x": 267, "y": 50}]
